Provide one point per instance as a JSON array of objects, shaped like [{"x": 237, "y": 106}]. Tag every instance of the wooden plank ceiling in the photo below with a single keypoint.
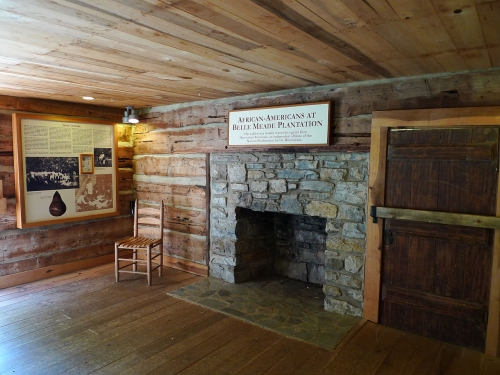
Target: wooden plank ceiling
[{"x": 158, "y": 52}]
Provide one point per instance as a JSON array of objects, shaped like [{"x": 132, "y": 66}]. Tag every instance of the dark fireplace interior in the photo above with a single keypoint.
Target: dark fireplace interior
[{"x": 273, "y": 243}]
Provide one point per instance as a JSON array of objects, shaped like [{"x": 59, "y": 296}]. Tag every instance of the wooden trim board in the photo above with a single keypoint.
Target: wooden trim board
[
  {"x": 476, "y": 221},
  {"x": 51, "y": 271},
  {"x": 60, "y": 269},
  {"x": 382, "y": 121}
]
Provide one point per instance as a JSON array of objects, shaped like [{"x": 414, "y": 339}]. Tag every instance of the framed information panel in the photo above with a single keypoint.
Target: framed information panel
[
  {"x": 288, "y": 125},
  {"x": 65, "y": 168}
]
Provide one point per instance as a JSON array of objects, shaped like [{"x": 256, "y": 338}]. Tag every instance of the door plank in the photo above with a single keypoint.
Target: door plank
[{"x": 441, "y": 305}]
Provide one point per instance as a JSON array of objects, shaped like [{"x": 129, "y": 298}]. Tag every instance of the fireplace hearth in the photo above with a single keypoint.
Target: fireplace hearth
[{"x": 296, "y": 215}]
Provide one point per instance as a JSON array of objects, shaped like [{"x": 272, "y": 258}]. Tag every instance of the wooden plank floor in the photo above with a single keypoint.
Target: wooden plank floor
[{"x": 85, "y": 323}]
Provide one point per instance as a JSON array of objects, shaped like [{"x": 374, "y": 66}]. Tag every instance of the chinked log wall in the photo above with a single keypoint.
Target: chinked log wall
[
  {"x": 36, "y": 253},
  {"x": 169, "y": 155},
  {"x": 171, "y": 143}
]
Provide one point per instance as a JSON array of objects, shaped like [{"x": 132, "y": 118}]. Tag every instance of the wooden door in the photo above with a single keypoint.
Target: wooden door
[{"x": 436, "y": 278}]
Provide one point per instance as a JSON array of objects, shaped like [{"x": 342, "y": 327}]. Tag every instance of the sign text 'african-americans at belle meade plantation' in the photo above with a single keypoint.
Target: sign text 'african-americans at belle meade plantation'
[{"x": 298, "y": 125}]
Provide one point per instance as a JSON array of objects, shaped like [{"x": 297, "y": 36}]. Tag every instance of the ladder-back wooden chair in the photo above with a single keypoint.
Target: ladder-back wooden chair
[{"x": 145, "y": 246}]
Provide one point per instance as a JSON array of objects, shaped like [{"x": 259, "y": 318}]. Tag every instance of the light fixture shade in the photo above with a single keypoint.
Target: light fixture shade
[
  {"x": 130, "y": 116},
  {"x": 133, "y": 118}
]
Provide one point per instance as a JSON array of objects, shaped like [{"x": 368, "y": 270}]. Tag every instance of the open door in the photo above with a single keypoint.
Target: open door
[{"x": 435, "y": 279}]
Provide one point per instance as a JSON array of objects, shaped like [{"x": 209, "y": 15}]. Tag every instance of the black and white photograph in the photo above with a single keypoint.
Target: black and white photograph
[
  {"x": 51, "y": 173},
  {"x": 103, "y": 157}
]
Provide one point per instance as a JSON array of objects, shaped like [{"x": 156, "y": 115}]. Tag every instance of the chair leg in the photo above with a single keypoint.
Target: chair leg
[
  {"x": 148, "y": 264},
  {"x": 161, "y": 260},
  {"x": 117, "y": 264},
  {"x": 134, "y": 257}
]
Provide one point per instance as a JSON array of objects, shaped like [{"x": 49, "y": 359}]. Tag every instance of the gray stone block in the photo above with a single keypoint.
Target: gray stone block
[
  {"x": 219, "y": 201},
  {"x": 255, "y": 166},
  {"x": 291, "y": 205},
  {"x": 258, "y": 205},
  {"x": 329, "y": 174},
  {"x": 322, "y": 209},
  {"x": 260, "y": 195},
  {"x": 354, "y": 156},
  {"x": 306, "y": 164},
  {"x": 248, "y": 158},
  {"x": 288, "y": 156},
  {"x": 218, "y": 212},
  {"x": 359, "y": 173},
  {"x": 218, "y": 172},
  {"x": 326, "y": 157},
  {"x": 332, "y": 291},
  {"x": 277, "y": 186},
  {"x": 334, "y": 164},
  {"x": 355, "y": 294},
  {"x": 245, "y": 200},
  {"x": 255, "y": 175},
  {"x": 341, "y": 307},
  {"x": 219, "y": 188},
  {"x": 333, "y": 263},
  {"x": 351, "y": 245},
  {"x": 273, "y": 165},
  {"x": 354, "y": 230},
  {"x": 353, "y": 264},
  {"x": 316, "y": 185},
  {"x": 293, "y": 174},
  {"x": 343, "y": 279},
  {"x": 236, "y": 173},
  {"x": 258, "y": 186},
  {"x": 239, "y": 187},
  {"x": 223, "y": 246},
  {"x": 351, "y": 213},
  {"x": 272, "y": 207},
  {"x": 224, "y": 157},
  {"x": 351, "y": 192},
  {"x": 269, "y": 158},
  {"x": 334, "y": 227},
  {"x": 223, "y": 260},
  {"x": 223, "y": 228},
  {"x": 315, "y": 273}
]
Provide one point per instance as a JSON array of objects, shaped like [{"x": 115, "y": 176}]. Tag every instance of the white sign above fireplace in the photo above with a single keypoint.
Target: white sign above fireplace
[{"x": 293, "y": 125}]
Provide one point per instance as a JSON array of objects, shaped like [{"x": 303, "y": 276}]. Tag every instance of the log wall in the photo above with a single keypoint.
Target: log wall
[
  {"x": 166, "y": 158},
  {"x": 34, "y": 253},
  {"x": 171, "y": 142}
]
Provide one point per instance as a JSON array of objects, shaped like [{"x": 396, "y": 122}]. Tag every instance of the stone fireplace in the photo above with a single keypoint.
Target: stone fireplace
[{"x": 297, "y": 215}]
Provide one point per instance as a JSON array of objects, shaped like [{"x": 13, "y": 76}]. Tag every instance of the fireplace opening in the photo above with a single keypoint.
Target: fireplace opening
[{"x": 275, "y": 243}]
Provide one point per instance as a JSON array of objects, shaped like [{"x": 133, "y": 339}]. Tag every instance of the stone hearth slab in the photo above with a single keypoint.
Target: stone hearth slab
[{"x": 290, "y": 307}]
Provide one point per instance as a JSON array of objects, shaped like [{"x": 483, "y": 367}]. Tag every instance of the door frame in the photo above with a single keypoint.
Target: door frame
[{"x": 382, "y": 122}]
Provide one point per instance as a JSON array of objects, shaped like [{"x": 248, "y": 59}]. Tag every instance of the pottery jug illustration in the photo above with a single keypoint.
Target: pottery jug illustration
[{"x": 57, "y": 206}]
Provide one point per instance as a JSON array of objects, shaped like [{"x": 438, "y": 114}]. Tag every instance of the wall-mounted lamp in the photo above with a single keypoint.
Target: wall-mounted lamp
[{"x": 130, "y": 116}]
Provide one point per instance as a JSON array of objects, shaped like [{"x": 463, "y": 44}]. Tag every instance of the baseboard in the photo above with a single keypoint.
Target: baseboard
[
  {"x": 60, "y": 269},
  {"x": 185, "y": 265},
  {"x": 51, "y": 271}
]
